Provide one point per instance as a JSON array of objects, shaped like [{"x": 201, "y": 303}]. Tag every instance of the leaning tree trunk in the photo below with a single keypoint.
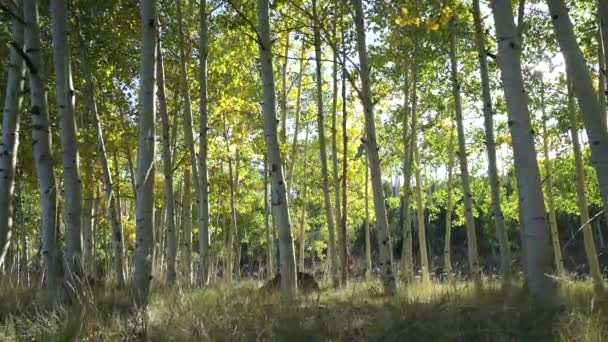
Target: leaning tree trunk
[
  {"x": 43, "y": 158},
  {"x": 187, "y": 227},
  {"x": 384, "y": 240},
  {"x": 279, "y": 195},
  {"x": 203, "y": 210},
  {"x": 329, "y": 212},
  {"x": 473, "y": 254},
  {"x": 144, "y": 215},
  {"x": 10, "y": 134},
  {"x": 577, "y": 70},
  {"x": 532, "y": 206},
  {"x": 590, "y": 251},
  {"x": 112, "y": 203},
  {"x": 557, "y": 250},
  {"x": 447, "y": 249},
  {"x": 499, "y": 220},
  {"x": 167, "y": 168},
  {"x": 69, "y": 141}
]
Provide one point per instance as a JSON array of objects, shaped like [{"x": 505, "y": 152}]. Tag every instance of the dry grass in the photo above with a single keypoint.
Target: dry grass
[{"x": 431, "y": 312}]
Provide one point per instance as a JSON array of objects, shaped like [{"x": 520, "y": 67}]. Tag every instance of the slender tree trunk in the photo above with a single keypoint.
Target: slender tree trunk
[
  {"x": 293, "y": 155},
  {"x": 473, "y": 254},
  {"x": 24, "y": 240},
  {"x": 113, "y": 206},
  {"x": 279, "y": 196},
  {"x": 270, "y": 258},
  {"x": 601, "y": 77},
  {"x": 167, "y": 169},
  {"x": 144, "y": 233},
  {"x": 69, "y": 140},
  {"x": 284, "y": 93},
  {"x": 335, "y": 170},
  {"x": 233, "y": 231},
  {"x": 408, "y": 150},
  {"x": 532, "y": 206},
  {"x": 603, "y": 17},
  {"x": 203, "y": 217},
  {"x": 117, "y": 232},
  {"x": 368, "y": 244},
  {"x": 303, "y": 216},
  {"x": 488, "y": 112},
  {"x": 10, "y": 134},
  {"x": 447, "y": 249},
  {"x": 424, "y": 257},
  {"x": 329, "y": 210},
  {"x": 345, "y": 256},
  {"x": 384, "y": 240},
  {"x": 576, "y": 68},
  {"x": 187, "y": 226},
  {"x": 557, "y": 250},
  {"x": 43, "y": 158},
  {"x": 581, "y": 191}
]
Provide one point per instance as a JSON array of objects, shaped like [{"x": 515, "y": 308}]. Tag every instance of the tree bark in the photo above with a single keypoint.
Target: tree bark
[
  {"x": 169, "y": 197},
  {"x": 10, "y": 134},
  {"x": 69, "y": 141},
  {"x": 270, "y": 256},
  {"x": 43, "y": 158},
  {"x": 203, "y": 217},
  {"x": 279, "y": 196},
  {"x": 345, "y": 256},
  {"x": 368, "y": 244},
  {"x": 532, "y": 206},
  {"x": 473, "y": 254},
  {"x": 580, "y": 76},
  {"x": 603, "y": 17},
  {"x": 424, "y": 257},
  {"x": 590, "y": 251},
  {"x": 284, "y": 94},
  {"x": 144, "y": 233},
  {"x": 386, "y": 262},
  {"x": 329, "y": 210}
]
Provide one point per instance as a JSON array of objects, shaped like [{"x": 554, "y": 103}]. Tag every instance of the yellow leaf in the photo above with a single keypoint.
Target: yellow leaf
[{"x": 434, "y": 26}]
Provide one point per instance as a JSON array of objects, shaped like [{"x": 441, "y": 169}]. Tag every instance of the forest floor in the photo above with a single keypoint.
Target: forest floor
[{"x": 432, "y": 312}]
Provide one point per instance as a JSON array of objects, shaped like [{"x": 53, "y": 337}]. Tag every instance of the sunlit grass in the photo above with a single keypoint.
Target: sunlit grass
[{"x": 421, "y": 312}]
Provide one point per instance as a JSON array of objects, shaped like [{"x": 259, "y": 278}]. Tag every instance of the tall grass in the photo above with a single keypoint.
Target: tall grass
[{"x": 421, "y": 312}]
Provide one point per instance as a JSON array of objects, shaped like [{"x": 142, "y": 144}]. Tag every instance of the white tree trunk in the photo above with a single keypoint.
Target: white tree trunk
[
  {"x": 279, "y": 195},
  {"x": 10, "y": 135},
  {"x": 532, "y": 206},
  {"x": 329, "y": 210},
  {"x": 284, "y": 94},
  {"x": 424, "y": 255},
  {"x": 384, "y": 241},
  {"x": 270, "y": 256},
  {"x": 368, "y": 244},
  {"x": 499, "y": 220},
  {"x": 473, "y": 254},
  {"x": 43, "y": 158},
  {"x": 590, "y": 251},
  {"x": 302, "y": 234},
  {"x": 203, "y": 183},
  {"x": 169, "y": 197},
  {"x": 144, "y": 215},
  {"x": 602, "y": 6},
  {"x": 69, "y": 140},
  {"x": 293, "y": 155},
  {"x": 576, "y": 67}
]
